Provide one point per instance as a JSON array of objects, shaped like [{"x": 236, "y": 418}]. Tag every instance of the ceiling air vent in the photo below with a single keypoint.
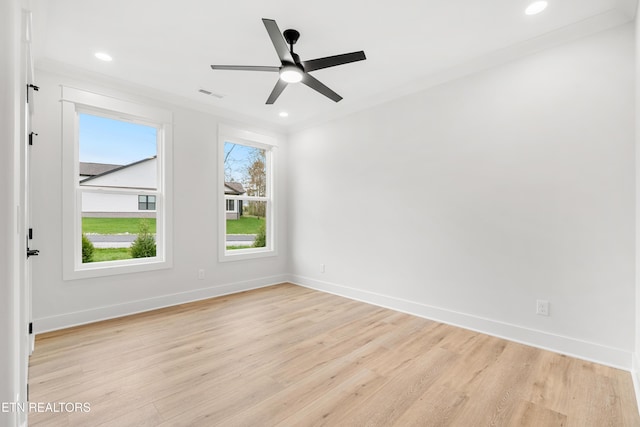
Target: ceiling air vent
[{"x": 209, "y": 93}]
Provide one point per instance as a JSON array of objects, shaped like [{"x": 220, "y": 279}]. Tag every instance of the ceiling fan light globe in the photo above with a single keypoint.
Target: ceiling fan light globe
[{"x": 291, "y": 75}]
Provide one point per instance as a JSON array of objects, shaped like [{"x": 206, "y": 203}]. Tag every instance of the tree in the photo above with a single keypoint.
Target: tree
[
  {"x": 229, "y": 162},
  {"x": 256, "y": 175},
  {"x": 145, "y": 244},
  {"x": 256, "y": 181}
]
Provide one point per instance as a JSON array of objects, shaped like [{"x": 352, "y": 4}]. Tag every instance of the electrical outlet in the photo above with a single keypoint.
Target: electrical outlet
[
  {"x": 542, "y": 307},
  {"x": 201, "y": 274},
  {"x": 321, "y": 268}
]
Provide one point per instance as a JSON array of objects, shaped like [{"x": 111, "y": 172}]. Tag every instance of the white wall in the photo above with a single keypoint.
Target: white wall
[
  {"x": 59, "y": 303},
  {"x": 517, "y": 184},
  {"x": 106, "y": 202}
]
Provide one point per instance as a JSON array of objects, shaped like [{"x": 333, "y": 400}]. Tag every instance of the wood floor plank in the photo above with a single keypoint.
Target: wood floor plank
[
  {"x": 436, "y": 407},
  {"x": 290, "y": 356},
  {"x": 530, "y": 414}
]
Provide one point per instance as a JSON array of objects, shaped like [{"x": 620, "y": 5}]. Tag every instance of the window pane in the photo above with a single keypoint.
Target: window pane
[
  {"x": 247, "y": 166},
  {"x": 246, "y": 229},
  {"x": 117, "y": 233},
  {"x": 115, "y": 153}
]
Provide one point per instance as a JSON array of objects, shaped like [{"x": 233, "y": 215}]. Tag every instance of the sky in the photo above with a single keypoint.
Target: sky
[{"x": 116, "y": 142}]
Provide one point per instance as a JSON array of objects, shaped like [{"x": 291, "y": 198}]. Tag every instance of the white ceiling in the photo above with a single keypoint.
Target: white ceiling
[{"x": 168, "y": 46}]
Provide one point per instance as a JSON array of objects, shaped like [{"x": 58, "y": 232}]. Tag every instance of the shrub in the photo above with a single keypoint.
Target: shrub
[
  {"x": 261, "y": 237},
  {"x": 87, "y": 249},
  {"x": 145, "y": 244}
]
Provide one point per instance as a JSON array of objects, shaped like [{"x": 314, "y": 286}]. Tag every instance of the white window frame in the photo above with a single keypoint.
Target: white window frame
[
  {"x": 74, "y": 102},
  {"x": 270, "y": 145}
]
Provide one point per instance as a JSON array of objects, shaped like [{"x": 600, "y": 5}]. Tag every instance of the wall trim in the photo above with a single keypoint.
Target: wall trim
[
  {"x": 580, "y": 349},
  {"x": 76, "y": 318},
  {"x": 635, "y": 377}
]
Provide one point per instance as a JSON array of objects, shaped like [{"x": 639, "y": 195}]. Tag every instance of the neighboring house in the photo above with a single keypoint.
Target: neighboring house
[
  {"x": 89, "y": 170},
  {"x": 233, "y": 207},
  {"x": 140, "y": 175}
]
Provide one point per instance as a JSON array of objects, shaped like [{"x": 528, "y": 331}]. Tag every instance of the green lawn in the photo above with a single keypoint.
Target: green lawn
[
  {"x": 244, "y": 225},
  {"x": 111, "y": 254},
  {"x": 115, "y": 225}
]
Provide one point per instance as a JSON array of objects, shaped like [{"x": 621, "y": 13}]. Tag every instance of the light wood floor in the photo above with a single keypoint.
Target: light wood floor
[{"x": 291, "y": 356}]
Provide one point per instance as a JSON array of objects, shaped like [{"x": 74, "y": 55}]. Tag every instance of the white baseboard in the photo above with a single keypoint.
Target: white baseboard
[
  {"x": 635, "y": 372},
  {"x": 580, "y": 349},
  {"x": 67, "y": 320},
  {"x": 593, "y": 352}
]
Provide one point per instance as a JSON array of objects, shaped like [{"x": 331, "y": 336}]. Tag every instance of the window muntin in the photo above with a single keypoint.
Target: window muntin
[{"x": 97, "y": 185}]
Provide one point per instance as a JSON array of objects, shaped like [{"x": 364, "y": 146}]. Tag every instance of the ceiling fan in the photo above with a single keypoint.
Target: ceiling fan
[{"x": 293, "y": 70}]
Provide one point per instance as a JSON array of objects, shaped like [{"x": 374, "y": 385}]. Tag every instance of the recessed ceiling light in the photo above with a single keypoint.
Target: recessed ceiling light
[
  {"x": 536, "y": 7},
  {"x": 103, "y": 56},
  {"x": 284, "y": 114}
]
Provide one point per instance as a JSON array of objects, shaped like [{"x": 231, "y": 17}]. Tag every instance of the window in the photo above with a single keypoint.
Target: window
[
  {"x": 146, "y": 203},
  {"x": 247, "y": 194},
  {"x": 116, "y": 193}
]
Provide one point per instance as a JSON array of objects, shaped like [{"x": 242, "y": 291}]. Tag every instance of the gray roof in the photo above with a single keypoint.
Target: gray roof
[
  {"x": 234, "y": 188},
  {"x": 92, "y": 169}
]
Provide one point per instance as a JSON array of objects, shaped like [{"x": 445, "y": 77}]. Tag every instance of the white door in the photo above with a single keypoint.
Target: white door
[
  {"x": 27, "y": 338},
  {"x": 30, "y": 137}
]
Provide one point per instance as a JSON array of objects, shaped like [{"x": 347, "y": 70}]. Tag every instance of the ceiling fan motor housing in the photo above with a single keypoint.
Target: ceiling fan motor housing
[{"x": 291, "y": 36}]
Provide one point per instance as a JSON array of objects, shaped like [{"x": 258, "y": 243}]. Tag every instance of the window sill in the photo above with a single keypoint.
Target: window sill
[
  {"x": 245, "y": 254},
  {"x": 112, "y": 268}
]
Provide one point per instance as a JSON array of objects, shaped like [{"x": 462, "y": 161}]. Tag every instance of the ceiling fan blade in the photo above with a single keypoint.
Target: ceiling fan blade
[
  {"x": 278, "y": 41},
  {"x": 315, "y": 84},
  {"x": 332, "y": 61},
  {"x": 245, "y": 67},
  {"x": 277, "y": 90}
]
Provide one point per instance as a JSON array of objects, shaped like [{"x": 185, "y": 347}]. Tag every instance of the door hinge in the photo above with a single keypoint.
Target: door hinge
[
  {"x": 30, "y": 86},
  {"x": 30, "y": 328},
  {"x": 31, "y": 134},
  {"x": 32, "y": 252}
]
